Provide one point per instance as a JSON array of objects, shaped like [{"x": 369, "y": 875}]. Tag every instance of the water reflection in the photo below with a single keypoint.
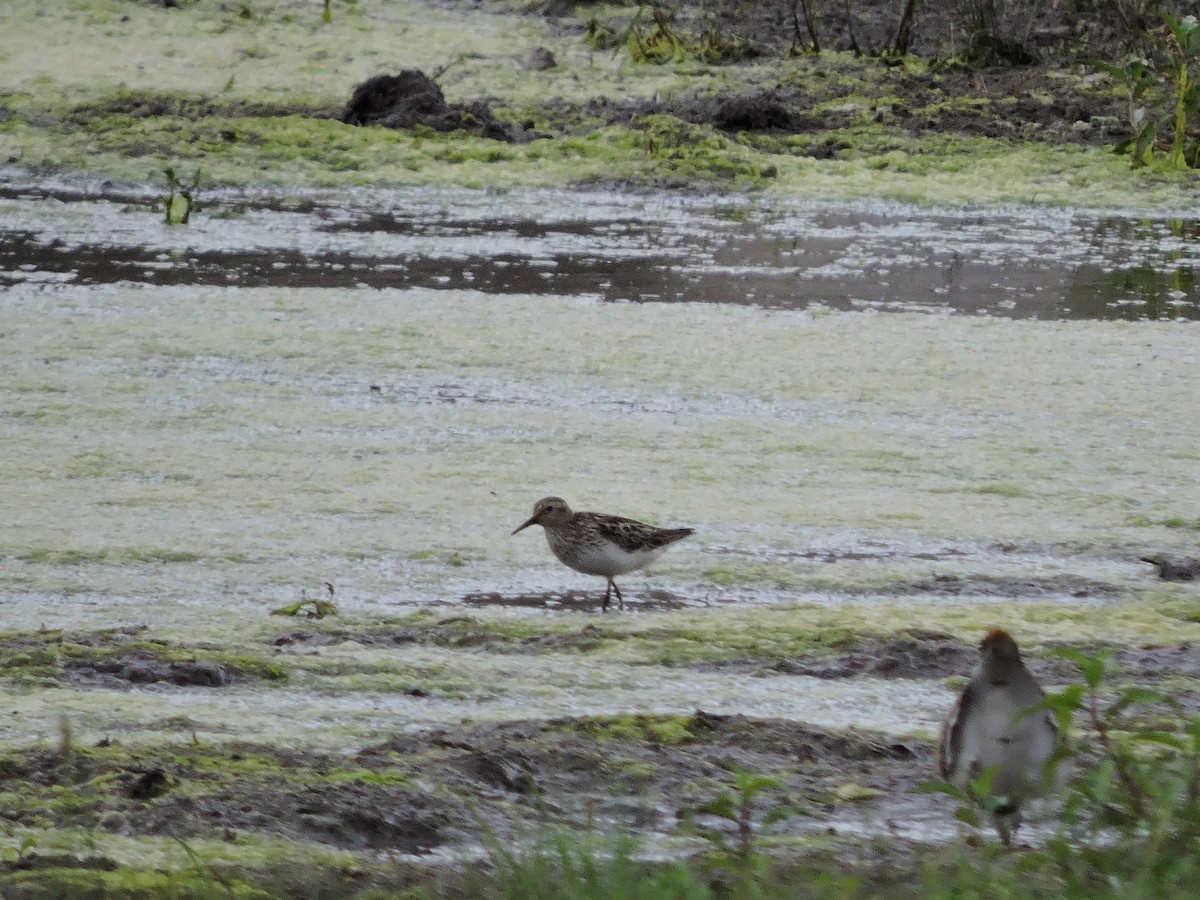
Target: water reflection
[{"x": 1038, "y": 264}]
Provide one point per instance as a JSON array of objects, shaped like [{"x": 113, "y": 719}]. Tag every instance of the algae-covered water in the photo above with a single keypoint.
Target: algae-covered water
[
  {"x": 188, "y": 457},
  {"x": 891, "y": 427}
]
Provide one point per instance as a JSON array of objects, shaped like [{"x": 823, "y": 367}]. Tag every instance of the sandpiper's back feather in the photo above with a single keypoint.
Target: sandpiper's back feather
[{"x": 631, "y": 535}]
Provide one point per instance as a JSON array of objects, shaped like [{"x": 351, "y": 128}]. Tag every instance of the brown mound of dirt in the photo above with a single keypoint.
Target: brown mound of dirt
[
  {"x": 413, "y": 99},
  {"x": 144, "y": 668},
  {"x": 918, "y": 656}
]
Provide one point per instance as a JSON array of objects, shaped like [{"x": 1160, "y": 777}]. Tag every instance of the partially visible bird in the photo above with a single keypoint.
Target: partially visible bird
[
  {"x": 1174, "y": 568},
  {"x": 991, "y": 727},
  {"x": 596, "y": 544}
]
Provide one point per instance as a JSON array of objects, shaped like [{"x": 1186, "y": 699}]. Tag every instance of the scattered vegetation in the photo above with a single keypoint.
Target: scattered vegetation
[{"x": 1162, "y": 100}]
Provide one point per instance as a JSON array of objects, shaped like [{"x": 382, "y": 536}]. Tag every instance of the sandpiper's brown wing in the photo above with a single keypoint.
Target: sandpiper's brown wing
[
  {"x": 950, "y": 738},
  {"x": 631, "y": 535}
]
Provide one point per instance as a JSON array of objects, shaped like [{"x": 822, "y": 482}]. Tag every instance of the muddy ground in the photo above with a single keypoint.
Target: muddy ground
[
  {"x": 452, "y": 790},
  {"x": 1015, "y": 78},
  {"x": 1029, "y": 89},
  {"x": 717, "y": 96}
]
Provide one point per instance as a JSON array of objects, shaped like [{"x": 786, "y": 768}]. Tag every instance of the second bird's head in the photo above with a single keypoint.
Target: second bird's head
[{"x": 999, "y": 647}]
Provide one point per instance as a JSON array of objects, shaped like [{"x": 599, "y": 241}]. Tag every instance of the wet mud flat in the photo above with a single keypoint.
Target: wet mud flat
[{"x": 388, "y": 809}]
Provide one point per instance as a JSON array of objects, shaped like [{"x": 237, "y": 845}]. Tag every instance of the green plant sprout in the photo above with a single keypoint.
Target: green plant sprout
[
  {"x": 310, "y": 607},
  {"x": 741, "y": 860},
  {"x": 1184, "y": 46},
  {"x": 1148, "y": 96},
  {"x": 180, "y": 199}
]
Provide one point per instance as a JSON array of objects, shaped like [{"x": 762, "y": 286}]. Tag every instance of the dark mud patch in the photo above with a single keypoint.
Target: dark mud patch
[
  {"x": 138, "y": 105},
  {"x": 580, "y": 601},
  {"x": 141, "y": 667},
  {"x": 460, "y": 632},
  {"x": 1160, "y": 662},
  {"x": 820, "y": 117},
  {"x": 122, "y": 659},
  {"x": 412, "y": 99},
  {"x": 1020, "y": 81},
  {"x": 858, "y": 554},
  {"x": 1018, "y": 588},
  {"x": 936, "y": 655},
  {"x": 186, "y": 791},
  {"x": 918, "y": 655},
  {"x": 416, "y": 792},
  {"x": 658, "y": 771},
  {"x": 33, "y": 861}
]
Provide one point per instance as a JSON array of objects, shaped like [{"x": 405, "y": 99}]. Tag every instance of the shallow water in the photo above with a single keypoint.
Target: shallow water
[
  {"x": 1022, "y": 263},
  {"x": 203, "y": 422}
]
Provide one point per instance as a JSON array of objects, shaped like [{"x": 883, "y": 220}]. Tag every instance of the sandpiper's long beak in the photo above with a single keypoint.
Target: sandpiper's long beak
[{"x": 532, "y": 521}]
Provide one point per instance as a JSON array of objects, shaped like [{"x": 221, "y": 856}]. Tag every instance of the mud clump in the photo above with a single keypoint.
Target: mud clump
[
  {"x": 29, "y": 862},
  {"x": 924, "y": 655},
  {"x": 141, "y": 668},
  {"x": 576, "y": 601},
  {"x": 354, "y": 820},
  {"x": 412, "y": 99},
  {"x": 756, "y": 112}
]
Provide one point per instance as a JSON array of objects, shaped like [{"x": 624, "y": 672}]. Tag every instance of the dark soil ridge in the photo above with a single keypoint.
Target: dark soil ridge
[
  {"x": 415, "y": 792},
  {"x": 914, "y": 654}
]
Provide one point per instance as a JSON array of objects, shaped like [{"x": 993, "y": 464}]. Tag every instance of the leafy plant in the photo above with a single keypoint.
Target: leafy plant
[
  {"x": 310, "y": 607},
  {"x": 1156, "y": 100},
  {"x": 1183, "y": 46},
  {"x": 976, "y": 798},
  {"x": 180, "y": 199},
  {"x": 661, "y": 44},
  {"x": 1135, "y": 810},
  {"x": 1136, "y": 77},
  {"x": 739, "y": 864}
]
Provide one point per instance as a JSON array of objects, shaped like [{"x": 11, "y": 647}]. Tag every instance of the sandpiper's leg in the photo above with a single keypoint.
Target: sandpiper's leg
[
  {"x": 620, "y": 599},
  {"x": 1005, "y": 827},
  {"x": 607, "y": 590}
]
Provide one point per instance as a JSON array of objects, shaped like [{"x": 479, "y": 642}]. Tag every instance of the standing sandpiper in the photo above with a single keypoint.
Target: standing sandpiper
[
  {"x": 596, "y": 544},
  {"x": 992, "y": 727}
]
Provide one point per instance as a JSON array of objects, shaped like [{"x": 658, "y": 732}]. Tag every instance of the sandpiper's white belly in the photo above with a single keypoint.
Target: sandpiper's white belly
[
  {"x": 1020, "y": 745},
  {"x": 605, "y": 559}
]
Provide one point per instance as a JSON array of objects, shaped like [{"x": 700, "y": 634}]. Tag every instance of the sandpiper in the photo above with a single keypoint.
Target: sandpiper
[
  {"x": 596, "y": 544},
  {"x": 992, "y": 727}
]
